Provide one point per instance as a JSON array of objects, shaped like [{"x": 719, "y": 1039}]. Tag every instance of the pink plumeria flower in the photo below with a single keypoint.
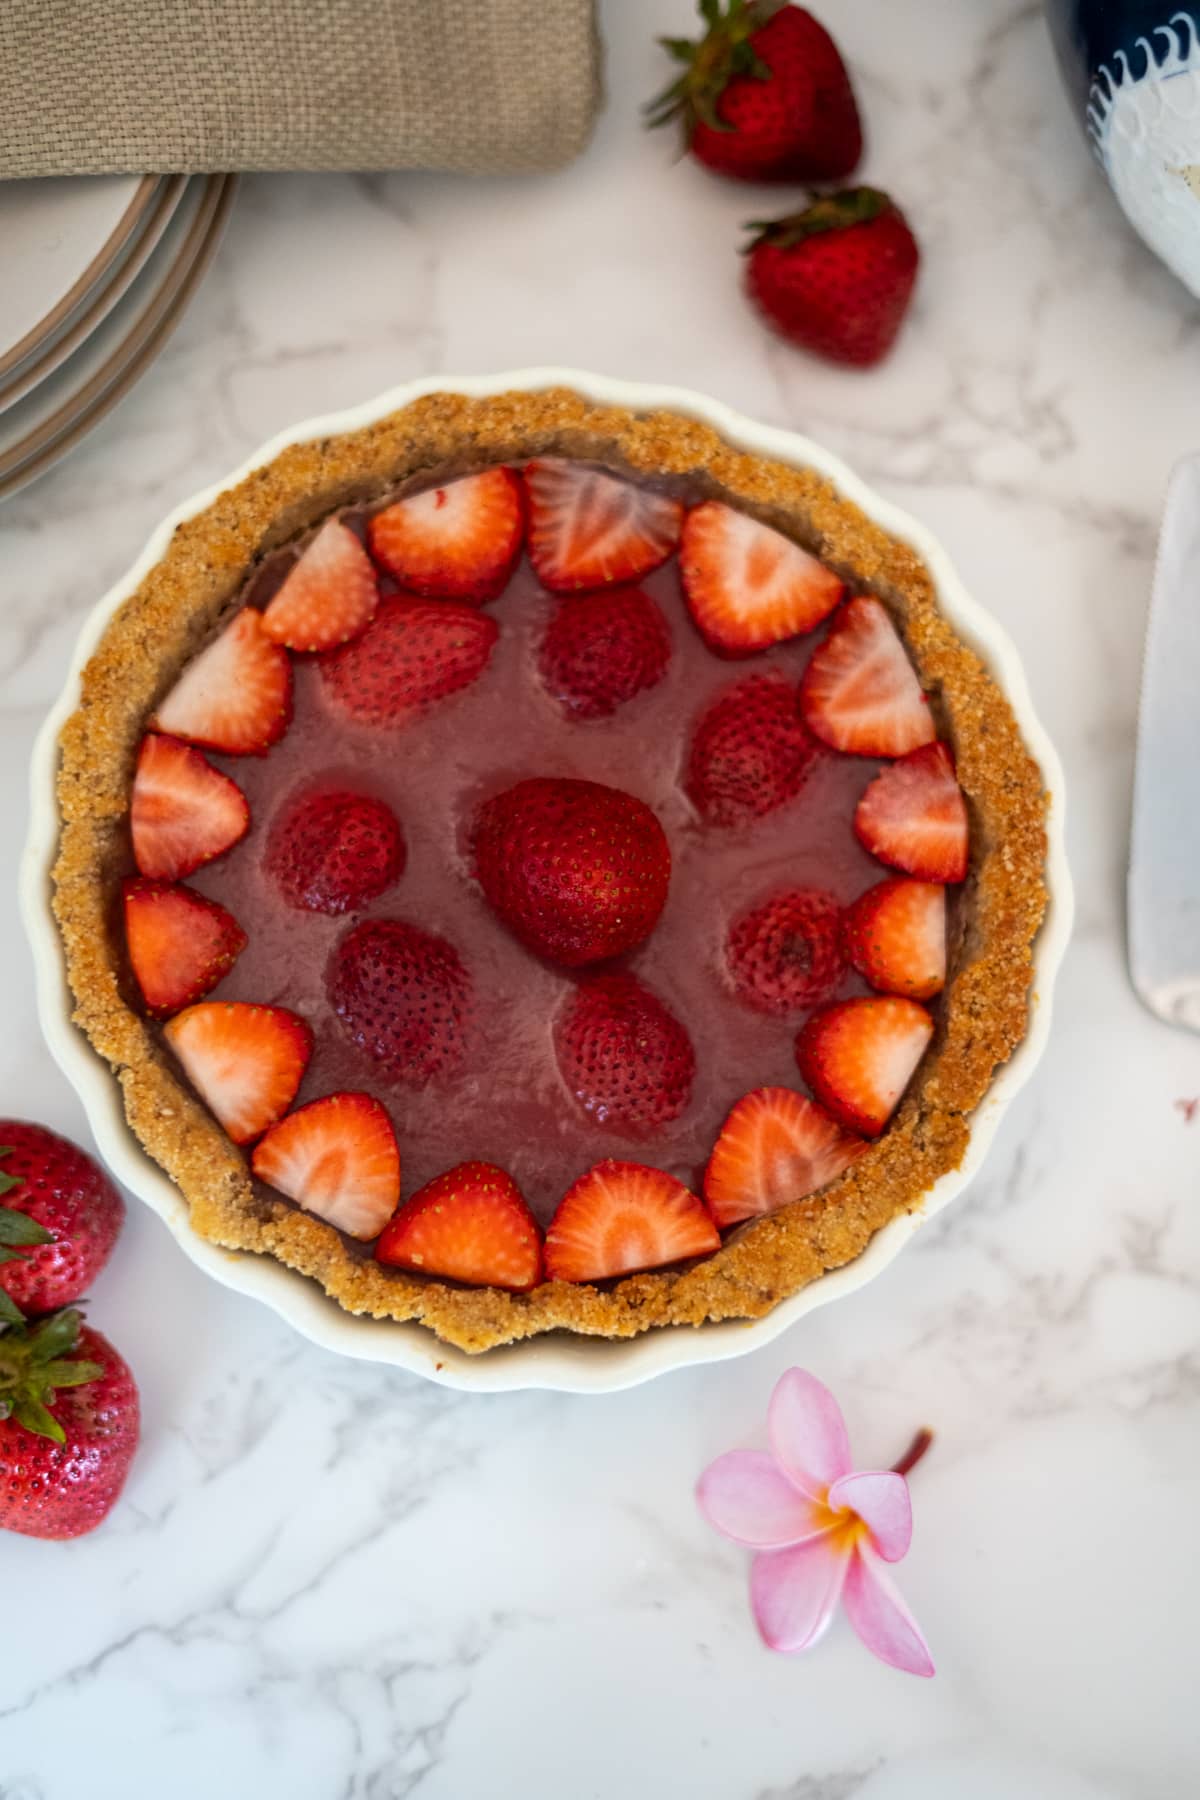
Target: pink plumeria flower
[{"x": 822, "y": 1529}]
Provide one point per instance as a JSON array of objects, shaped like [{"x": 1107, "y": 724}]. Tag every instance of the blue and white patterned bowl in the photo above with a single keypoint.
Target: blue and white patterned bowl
[{"x": 1133, "y": 68}]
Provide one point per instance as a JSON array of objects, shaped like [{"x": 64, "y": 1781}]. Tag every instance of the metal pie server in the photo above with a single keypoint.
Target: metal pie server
[{"x": 1164, "y": 855}]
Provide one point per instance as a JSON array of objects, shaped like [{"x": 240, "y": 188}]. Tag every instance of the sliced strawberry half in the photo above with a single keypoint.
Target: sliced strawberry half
[
  {"x": 588, "y": 529},
  {"x": 747, "y": 585},
  {"x": 859, "y": 1056},
  {"x": 620, "y": 1217},
  {"x": 913, "y": 817},
  {"x": 236, "y": 695},
  {"x": 456, "y": 542},
  {"x": 329, "y": 596},
  {"x": 860, "y": 693},
  {"x": 180, "y": 943},
  {"x": 776, "y": 1146},
  {"x": 895, "y": 935},
  {"x": 246, "y": 1062},
  {"x": 183, "y": 812},
  {"x": 338, "y": 1158},
  {"x": 470, "y": 1224}
]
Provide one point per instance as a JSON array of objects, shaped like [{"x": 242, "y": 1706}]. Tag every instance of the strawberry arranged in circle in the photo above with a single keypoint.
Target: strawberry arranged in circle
[
  {"x": 836, "y": 279},
  {"x": 785, "y": 955},
  {"x": 404, "y": 998},
  {"x": 246, "y": 1062},
  {"x": 621, "y": 1217},
  {"x": 59, "y": 1217},
  {"x": 336, "y": 1157},
  {"x": 913, "y": 816},
  {"x": 70, "y": 1418},
  {"x": 746, "y": 585},
  {"x": 600, "y": 650},
  {"x": 895, "y": 935},
  {"x": 180, "y": 943},
  {"x": 588, "y": 529},
  {"x": 328, "y": 596},
  {"x": 576, "y": 870},
  {"x": 459, "y": 541},
  {"x": 859, "y": 692},
  {"x": 751, "y": 752},
  {"x": 331, "y": 850},
  {"x": 235, "y": 696},
  {"x": 859, "y": 1056},
  {"x": 182, "y": 811},
  {"x": 413, "y": 653},
  {"x": 624, "y": 1056},
  {"x": 469, "y": 1224},
  {"x": 764, "y": 96},
  {"x": 776, "y": 1146}
]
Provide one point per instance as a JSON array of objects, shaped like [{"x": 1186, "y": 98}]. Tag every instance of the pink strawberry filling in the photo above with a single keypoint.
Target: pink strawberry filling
[{"x": 503, "y": 1099}]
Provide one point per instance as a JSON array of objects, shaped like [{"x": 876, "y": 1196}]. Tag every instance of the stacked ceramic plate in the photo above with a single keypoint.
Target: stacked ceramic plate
[{"x": 95, "y": 272}]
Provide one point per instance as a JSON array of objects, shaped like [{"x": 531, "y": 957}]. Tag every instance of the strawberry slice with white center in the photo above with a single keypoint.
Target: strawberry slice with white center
[
  {"x": 859, "y": 1056},
  {"x": 620, "y": 1217},
  {"x": 182, "y": 812},
  {"x": 895, "y": 935},
  {"x": 236, "y": 695},
  {"x": 456, "y": 542},
  {"x": 470, "y": 1224},
  {"x": 860, "y": 693},
  {"x": 913, "y": 817},
  {"x": 776, "y": 1146},
  {"x": 747, "y": 585},
  {"x": 338, "y": 1158},
  {"x": 588, "y": 529},
  {"x": 246, "y": 1062},
  {"x": 180, "y": 943},
  {"x": 328, "y": 597}
]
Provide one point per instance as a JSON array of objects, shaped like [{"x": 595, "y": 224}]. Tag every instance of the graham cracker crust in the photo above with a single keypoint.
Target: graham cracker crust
[{"x": 176, "y": 609}]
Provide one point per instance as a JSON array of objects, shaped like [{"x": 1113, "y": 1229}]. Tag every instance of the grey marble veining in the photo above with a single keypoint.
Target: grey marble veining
[{"x": 328, "y": 1580}]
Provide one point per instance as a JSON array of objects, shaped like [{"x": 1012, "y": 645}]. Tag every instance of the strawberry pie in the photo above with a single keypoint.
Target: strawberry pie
[{"x": 533, "y": 866}]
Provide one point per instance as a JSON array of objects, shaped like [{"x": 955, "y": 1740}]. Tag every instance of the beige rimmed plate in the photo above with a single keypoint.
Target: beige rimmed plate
[
  {"x": 59, "y": 237},
  {"x": 40, "y": 430},
  {"x": 560, "y": 1360},
  {"x": 54, "y": 348}
]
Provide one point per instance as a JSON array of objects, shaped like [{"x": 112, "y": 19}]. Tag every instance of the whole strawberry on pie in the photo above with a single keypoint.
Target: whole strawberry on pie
[{"x": 545, "y": 887}]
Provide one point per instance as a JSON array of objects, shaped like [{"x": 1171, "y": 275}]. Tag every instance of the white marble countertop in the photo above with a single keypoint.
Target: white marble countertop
[{"x": 326, "y": 1579}]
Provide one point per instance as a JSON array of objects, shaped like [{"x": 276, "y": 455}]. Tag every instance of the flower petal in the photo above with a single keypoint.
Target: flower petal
[
  {"x": 747, "y": 1497},
  {"x": 879, "y": 1615},
  {"x": 794, "y": 1593},
  {"x": 882, "y": 1502},
  {"x": 808, "y": 1433}
]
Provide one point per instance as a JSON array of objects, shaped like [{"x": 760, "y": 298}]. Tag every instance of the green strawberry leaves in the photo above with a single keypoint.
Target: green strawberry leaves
[{"x": 35, "y": 1362}]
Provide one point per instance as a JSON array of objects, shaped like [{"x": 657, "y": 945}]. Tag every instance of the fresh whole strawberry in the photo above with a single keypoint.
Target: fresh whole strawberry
[
  {"x": 69, "y": 1422},
  {"x": 625, "y": 1058},
  {"x": 836, "y": 279},
  {"x": 764, "y": 96},
  {"x": 59, "y": 1217},
  {"x": 602, "y": 649},
  {"x": 576, "y": 870},
  {"x": 751, "y": 751},
  {"x": 785, "y": 954},
  {"x": 404, "y": 998},
  {"x": 413, "y": 653},
  {"x": 469, "y": 1224},
  {"x": 331, "y": 851}
]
